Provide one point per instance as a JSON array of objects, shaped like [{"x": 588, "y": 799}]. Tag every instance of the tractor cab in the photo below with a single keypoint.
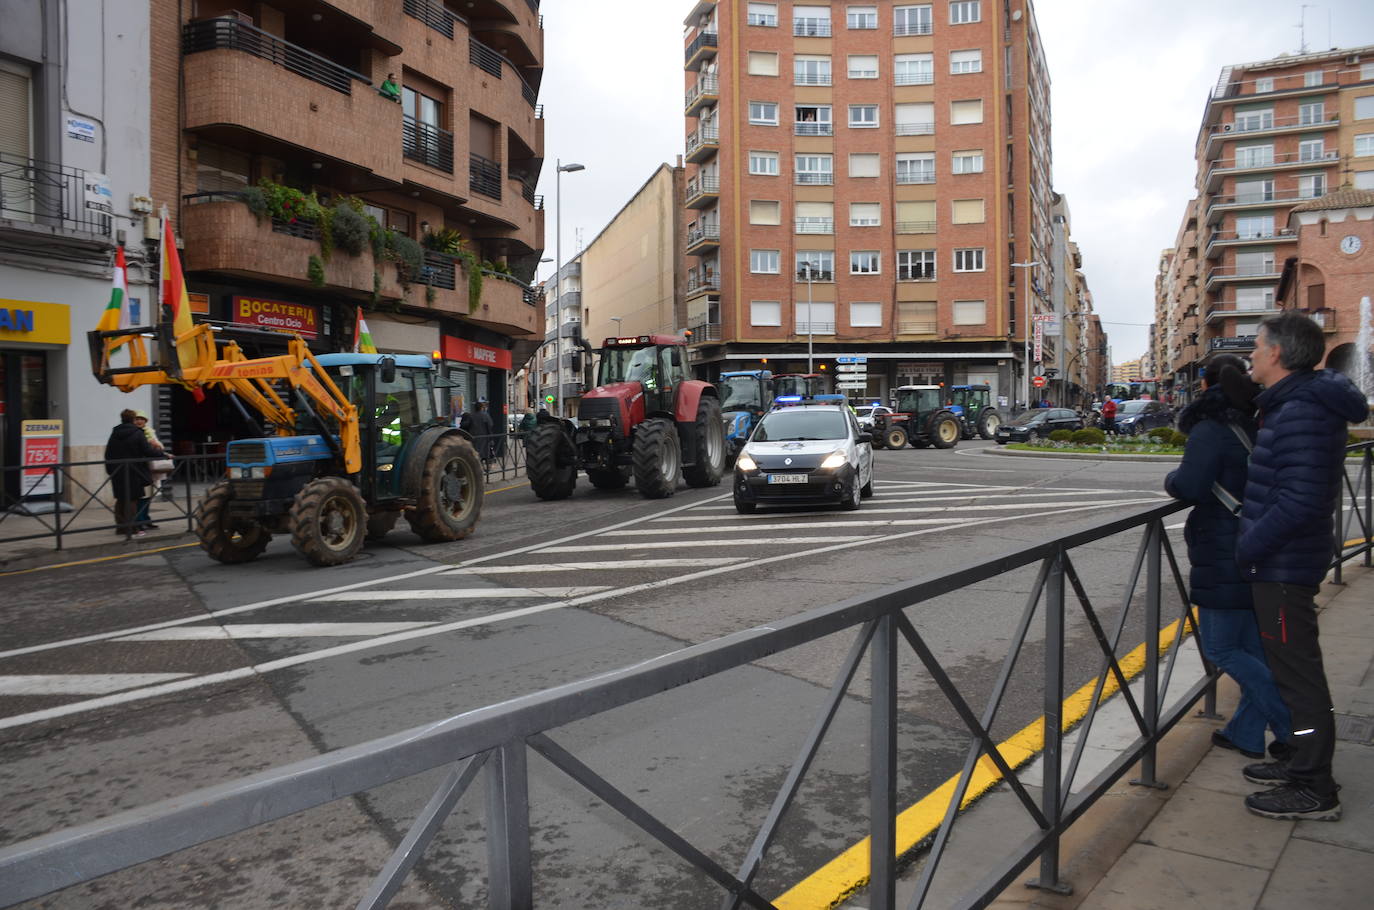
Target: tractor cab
[
  {"x": 745, "y": 396},
  {"x": 806, "y": 385},
  {"x": 654, "y": 362},
  {"x": 973, "y": 404}
]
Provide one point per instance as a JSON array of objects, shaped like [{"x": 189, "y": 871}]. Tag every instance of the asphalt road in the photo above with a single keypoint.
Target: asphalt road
[{"x": 130, "y": 681}]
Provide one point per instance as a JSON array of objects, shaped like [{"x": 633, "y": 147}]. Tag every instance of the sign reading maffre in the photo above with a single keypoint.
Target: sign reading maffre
[{"x": 300, "y": 318}]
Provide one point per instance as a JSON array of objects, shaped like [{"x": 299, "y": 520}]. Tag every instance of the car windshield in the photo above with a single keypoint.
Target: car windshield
[
  {"x": 913, "y": 400},
  {"x": 792, "y": 424},
  {"x": 1131, "y": 407},
  {"x": 1032, "y": 418},
  {"x": 627, "y": 365},
  {"x": 739, "y": 392}
]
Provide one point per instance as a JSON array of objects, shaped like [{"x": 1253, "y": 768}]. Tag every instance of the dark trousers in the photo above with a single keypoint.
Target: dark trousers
[
  {"x": 126, "y": 515},
  {"x": 1288, "y": 629}
]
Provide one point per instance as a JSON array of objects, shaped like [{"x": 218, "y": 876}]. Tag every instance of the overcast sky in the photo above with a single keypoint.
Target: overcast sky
[{"x": 1129, "y": 84}]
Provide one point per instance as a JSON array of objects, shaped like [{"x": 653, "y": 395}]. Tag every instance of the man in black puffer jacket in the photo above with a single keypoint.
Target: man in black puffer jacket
[{"x": 1285, "y": 550}]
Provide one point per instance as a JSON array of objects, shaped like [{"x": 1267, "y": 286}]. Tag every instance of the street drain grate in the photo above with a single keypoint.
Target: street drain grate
[{"x": 1354, "y": 728}]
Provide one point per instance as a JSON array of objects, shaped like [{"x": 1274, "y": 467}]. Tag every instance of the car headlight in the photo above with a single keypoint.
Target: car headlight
[
  {"x": 834, "y": 460},
  {"x": 745, "y": 463}
]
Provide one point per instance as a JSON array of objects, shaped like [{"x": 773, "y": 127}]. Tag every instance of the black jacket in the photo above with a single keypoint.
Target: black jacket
[
  {"x": 128, "y": 480},
  {"x": 1214, "y": 454}
]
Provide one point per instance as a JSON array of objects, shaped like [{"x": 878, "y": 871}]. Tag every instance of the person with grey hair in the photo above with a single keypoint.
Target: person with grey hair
[{"x": 1284, "y": 550}]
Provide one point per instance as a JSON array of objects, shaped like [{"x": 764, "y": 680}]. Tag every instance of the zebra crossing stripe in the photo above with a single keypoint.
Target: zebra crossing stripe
[
  {"x": 734, "y": 542},
  {"x": 82, "y": 683},
  {"x": 608, "y": 564},
  {"x": 276, "y": 630},
  {"x": 460, "y": 594}
]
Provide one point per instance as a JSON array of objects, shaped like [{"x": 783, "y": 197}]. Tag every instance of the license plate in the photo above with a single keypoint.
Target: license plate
[{"x": 787, "y": 478}]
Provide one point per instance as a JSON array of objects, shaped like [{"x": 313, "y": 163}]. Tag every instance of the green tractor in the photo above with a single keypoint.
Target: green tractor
[
  {"x": 973, "y": 405},
  {"x": 746, "y": 395},
  {"x": 920, "y": 417}
]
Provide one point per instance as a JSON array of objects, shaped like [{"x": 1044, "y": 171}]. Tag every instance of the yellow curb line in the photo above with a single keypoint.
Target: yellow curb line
[{"x": 849, "y": 871}]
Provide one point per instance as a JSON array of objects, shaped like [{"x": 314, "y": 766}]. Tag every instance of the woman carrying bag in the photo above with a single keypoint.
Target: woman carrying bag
[{"x": 158, "y": 470}]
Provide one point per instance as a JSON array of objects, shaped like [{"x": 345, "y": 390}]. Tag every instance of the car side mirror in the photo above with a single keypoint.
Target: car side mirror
[
  {"x": 386, "y": 369},
  {"x": 865, "y": 437}
]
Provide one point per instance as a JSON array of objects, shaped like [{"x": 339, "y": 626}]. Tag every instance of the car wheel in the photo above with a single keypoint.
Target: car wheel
[
  {"x": 866, "y": 491},
  {"x": 745, "y": 508},
  {"x": 853, "y": 497}
]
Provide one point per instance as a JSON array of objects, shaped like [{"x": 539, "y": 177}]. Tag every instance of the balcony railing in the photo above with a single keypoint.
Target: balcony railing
[
  {"x": 697, "y": 283},
  {"x": 702, "y": 186},
  {"x": 1249, "y": 236},
  {"x": 231, "y": 34},
  {"x": 1271, "y": 160},
  {"x": 815, "y": 328},
  {"x": 704, "y": 331},
  {"x": 700, "y": 139},
  {"x": 913, "y": 78},
  {"x": 706, "y": 41},
  {"x": 490, "y": 61},
  {"x": 431, "y": 13},
  {"x": 814, "y": 178},
  {"x": 915, "y": 227},
  {"x": 913, "y": 28},
  {"x": 1267, "y": 124},
  {"x": 484, "y": 176},
  {"x": 439, "y": 271},
  {"x": 708, "y": 234},
  {"x": 919, "y": 327},
  {"x": 1228, "y": 308},
  {"x": 426, "y": 144},
  {"x": 527, "y": 188},
  {"x": 914, "y": 129},
  {"x": 1245, "y": 271},
  {"x": 815, "y": 225},
  {"x": 810, "y": 28},
  {"x": 811, "y": 79},
  {"x": 48, "y": 195},
  {"x": 918, "y": 177},
  {"x": 705, "y": 86},
  {"x": 812, "y": 128}
]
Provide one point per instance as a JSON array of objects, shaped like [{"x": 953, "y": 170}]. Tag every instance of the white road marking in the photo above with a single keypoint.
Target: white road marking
[
  {"x": 607, "y": 564},
  {"x": 677, "y": 544},
  {"x": 460, "y": 594},
  {"x": 81, "y": 683},
  {"x": 888, "y": 500},
  {"x": 1174, "y": 527},
  {"x": 277, "y": 630}
]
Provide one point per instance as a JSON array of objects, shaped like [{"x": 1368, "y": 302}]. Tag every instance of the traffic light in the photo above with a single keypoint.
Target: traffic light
[{"x": 549, "y": 399}]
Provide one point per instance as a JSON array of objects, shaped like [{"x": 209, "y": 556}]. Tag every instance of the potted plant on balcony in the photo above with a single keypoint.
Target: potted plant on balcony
[{"x": 451, "y": 243}]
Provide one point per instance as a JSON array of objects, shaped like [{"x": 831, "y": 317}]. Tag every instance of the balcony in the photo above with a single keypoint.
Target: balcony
[
  {"x": 1251, "y": 127},
  {"x": 814, "y": 328},
  {"x": 702, "y": 192},
  {"x": 812, "y": 128},
  {"x": 1232, "y": 343},
  {"x": 484, "y": 176},
  {"x": 702, "y": 48},
  {"x": 815, "y": 225},
  {"x": 47, "y": 200},
  {"x": 1285, "y": 161},
  {"x": 231, "y": 34},
  {"x": 811, "y": 79},
  {"x": 1226, "y": 274},
  {"x": 909, "y": 178},
  {"x": 697, "y": 284},
  {"x": 703, "y": 239},
  {"x": 920, "y": 78},
  {"x": 527, "y": 192},
  {"x": 814, "y": 178},
  {"x": 1227, "y": 309},
  {"x": 702, "y": 143},
  {"x": 811, "y": 28},
  {"x": 570, "y": 329},
  {"x": 915, "y": 227},
  {"x": 914, "y": 129},
  {"x": 705, "y": 92},
  {"x": 1220, "y": 241},
  {"x": 917, "y": 327},
  {"x": 1221, "y": 204},
  {"x": 912, "y": 28},
  {"x": 704, "y": 333},
  {"x": 427, "y": 144},
  {"x": 490, "y": 61}
]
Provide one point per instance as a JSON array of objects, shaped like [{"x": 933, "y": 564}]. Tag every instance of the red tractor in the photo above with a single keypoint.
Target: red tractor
[{"x": 645, "y": 417}]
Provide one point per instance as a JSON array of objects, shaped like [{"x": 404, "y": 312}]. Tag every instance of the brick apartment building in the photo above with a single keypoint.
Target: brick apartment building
[
  {"x": 1276, "y": 136},
  {"x": 297, "y": 93},
  {"x": 897, "y": 155}
]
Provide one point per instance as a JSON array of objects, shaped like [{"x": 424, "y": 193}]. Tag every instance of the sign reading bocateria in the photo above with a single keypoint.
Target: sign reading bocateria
[{"x": 300, "y": 318}]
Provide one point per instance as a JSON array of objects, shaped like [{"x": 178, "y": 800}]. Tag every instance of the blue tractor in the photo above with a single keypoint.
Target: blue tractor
[{"x": 746, "y": 395}]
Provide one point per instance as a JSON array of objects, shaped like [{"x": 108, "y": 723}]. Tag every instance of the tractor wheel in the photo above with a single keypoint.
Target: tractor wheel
[
  {"x": 919, "y": 443},
  {"x": 988, "y": 422},
  {"x": 658, "y": 458},
  {"x": 452, "y": 487},
  {"x": 945, "y": 433},
  {"x": 224, "y": 542},
  {"x": 328, "y": 521},
  {"x": 710, "y": 434},
  {"x": 609, "y": 478},
  {"x": 894, "y": 438},
  {"x": 550, "y": 462},
  {"x": 379, "y": 524}
]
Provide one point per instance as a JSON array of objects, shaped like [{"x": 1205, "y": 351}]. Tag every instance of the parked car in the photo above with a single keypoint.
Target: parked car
[
  {"x": 1029, "y": 426},
  {"x": 866, "y": 412},
  {"x": 1136, "y": 417},
  {"x": 805, "y": 453}
]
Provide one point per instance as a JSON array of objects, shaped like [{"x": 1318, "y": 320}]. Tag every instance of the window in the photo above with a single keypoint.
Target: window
[
  {"x": 762, "y": 211},
  {"x": 969, "y": 161},
  {"x": 968, "y": 260},
  {"x": 916, "y": 317},
  {"x": 815, "y": 217},
  {"x": 1255, "y": 156},
  {"x": 220, "y": 169},
  {"x": 863, "y": 116},
  {"x": 1312, "y": 78},
  {"x": 816, "y": 169},
  {"x": 864, "y": 262},
  {"x": 811, "y": 21},
  {"x": 915, "y": 217},
  {"x": 968, "y": 211},
  {"x": 765, "y": 163},
  {"x": 764, "y": 262},
  {"x": 1313, "y": 112},
  {"x": 865, "y": 315},
  {"x": 1366, "y": 71},
  {"x": 763, "y": 113},
  {"x": 392, "y": 219},
  {"x": 811, "y": 70},
  {"x": 965, "y": 62},
  {"x": 911, "y": 20},
  {"x": 1310, "y": 186},
  {"x": 1255, "y": 190},
  {"x": 916, "y": 167},
  {"x": 1254, "y": 227},
  {"x": 763, "y": 63},
  {"x": 765, "y": 14},
  {"x": 1364, "y": 180},
  {"x": 1364, "y": 145},
  {"x": 1364, "y": 108},
  {"x": 812, "y": 120},
  {"x": 815, "y": 316},
  {"x": 1259, "y": 119},
  {"x": 865, "y": 214},
  {"x": 962, "y": 12},
  {"x": 863, "y": 66},
  {"x": 821, "y": 264},
  {"x": 1263, "y": 85},
  {"x": 913, "y": 69},
  {"x": 765, "y": 312},
  {"x": 966, "y": 111},
  {"x": 1311, "y": 150},
  {"x": 915, "y": 265},
  {"x": 970, "y": 312},
  {"x": 1257, "y": 263},
  {"x": 917, "y": 119},
  {"x": 1249, "y": 299},
  {"x": 863, "y": 165},
  {"x": 862, "y": 17}
]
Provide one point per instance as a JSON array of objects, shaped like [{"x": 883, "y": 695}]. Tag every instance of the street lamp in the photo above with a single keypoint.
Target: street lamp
[
  {"x": 558, "y": 275},
  {"x": 810, "y": 268},
  {"x": 1025, "y": 379}
]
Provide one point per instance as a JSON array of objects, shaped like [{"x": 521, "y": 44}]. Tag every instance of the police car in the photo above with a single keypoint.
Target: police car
[{"x": 805, "y": 450}]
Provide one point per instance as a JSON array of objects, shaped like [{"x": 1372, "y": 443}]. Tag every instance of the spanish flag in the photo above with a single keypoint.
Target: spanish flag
[{"x": 174, "y": 294}]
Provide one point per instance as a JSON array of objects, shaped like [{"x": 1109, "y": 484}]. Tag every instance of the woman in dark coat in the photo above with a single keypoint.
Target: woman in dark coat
[
  {"x": 1215, "y": 454},
  {"x": 128, "y": 479}
]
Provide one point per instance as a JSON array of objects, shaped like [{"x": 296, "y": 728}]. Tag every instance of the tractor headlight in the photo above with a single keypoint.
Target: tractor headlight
[
  {"x": 835, "y": 459},
  {"x": 745, "y": 463}
]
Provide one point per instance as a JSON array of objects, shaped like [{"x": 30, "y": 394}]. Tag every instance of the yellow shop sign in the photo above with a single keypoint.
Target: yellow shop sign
[{"x": 40, "y": 323}]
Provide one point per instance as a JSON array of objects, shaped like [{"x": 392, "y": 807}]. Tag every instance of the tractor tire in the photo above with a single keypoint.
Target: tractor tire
[
  {"x": 945, "y": 434},
  {"x": 223, "y": 542},
  {"x": 988, "y": 422},
  {"x": 710, "y": 437},
  {"x": 328, "y": 521},
  {"x": 550, "y": 462},
  {"x": 452, "y": 489},
  {"x": 919, "y": 443},
  {"x": 657, "y": 458},
  {"x": 609, "y": 478},
  {"x": 379, "y": 524},
  {"x": 894, "y": 438}
]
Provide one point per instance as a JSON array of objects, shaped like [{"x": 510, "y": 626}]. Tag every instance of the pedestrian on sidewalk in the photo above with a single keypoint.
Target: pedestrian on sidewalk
[
  {"x": 158, "y": 472},
  {"x": 1286, "y": 527},
  {"x": 126, "y": 462},
  {"x": 1211, "y": 476},
  {"x": 1109, "y": 417}
]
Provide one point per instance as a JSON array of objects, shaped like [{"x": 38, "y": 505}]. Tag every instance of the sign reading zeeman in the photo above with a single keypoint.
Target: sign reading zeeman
[{"x": 300, "y": 318}]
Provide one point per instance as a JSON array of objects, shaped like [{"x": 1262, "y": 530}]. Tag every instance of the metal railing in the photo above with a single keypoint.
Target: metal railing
[
  {"x": 484, "y": 58},
  {"x": 703, "y": 40},
  {"x": 803, "y": 78},
  {"x": 915, "y": 177},
  {"x": 701, "y": 186},
  {"x": 705, "y": 331},
  {"x": 913, "y": 129},
  {"x": 439, "y": 270},
  {"x": 810, "y": 28},
  {"x": 231, "y": 34},
  {"x": 697, "y": 283},
  {"x": 921, "y": 78},
  {"x": 1265, "y": 124},
  {"x": 817, "y": 178},
  {"x": 45, "y": 194},
  {"x": 484, "y": 176},
  {"x": 812, "y": 128},
  {"x": 709, "y": 233},
  {"x": 702, "y": 138},
  {"x": 705, "y": 85},
  {"x": 432, "y": 13},
  {"x": 814, "y": 328},
  {"x": 814, "y": 225},
  {"x": 913, "y": 28},
  {"x": 426, "y": 144},
  {"x": 915, "y": 227}
]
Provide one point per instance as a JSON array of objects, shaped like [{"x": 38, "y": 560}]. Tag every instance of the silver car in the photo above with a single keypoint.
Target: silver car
[{"x": 805, "y": 453}]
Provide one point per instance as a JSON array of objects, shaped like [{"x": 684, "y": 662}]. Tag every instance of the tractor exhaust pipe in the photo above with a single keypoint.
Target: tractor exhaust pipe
[{"x": 587, "y": 371}]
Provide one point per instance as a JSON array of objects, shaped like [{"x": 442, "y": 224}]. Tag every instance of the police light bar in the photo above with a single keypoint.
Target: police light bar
[{"x": 787, "y": 399}]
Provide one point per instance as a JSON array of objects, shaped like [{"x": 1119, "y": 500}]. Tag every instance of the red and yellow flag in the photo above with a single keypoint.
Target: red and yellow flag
[{"x": 174, "y": 294}]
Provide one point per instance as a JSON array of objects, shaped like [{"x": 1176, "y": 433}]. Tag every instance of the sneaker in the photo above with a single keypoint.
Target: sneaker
[
  {"x": 1294, "y": 801},
  {"x": 1267, "y": 773},
  {"x": 1221, "y": 741},
  {"x": 139, "y": 534}
]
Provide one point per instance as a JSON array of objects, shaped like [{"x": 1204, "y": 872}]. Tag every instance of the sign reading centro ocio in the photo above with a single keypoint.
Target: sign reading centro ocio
[{"x": 300, "y": 318}]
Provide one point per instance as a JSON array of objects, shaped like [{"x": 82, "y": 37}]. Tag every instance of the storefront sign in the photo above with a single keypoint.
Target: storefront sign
[
  {"x": 300, "y": 318},
  {"x": 41, "y": 323},
  {"x": 41, "y": 448},
  {"x": 200, "y": 303},
  {"x": 465, "y": 351},
  {"x": 80, "y": 130}
]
